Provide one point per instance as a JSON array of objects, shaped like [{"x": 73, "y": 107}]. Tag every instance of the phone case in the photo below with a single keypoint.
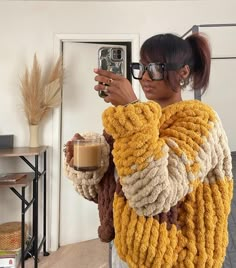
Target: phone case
[{"x": 111, "y": 59}]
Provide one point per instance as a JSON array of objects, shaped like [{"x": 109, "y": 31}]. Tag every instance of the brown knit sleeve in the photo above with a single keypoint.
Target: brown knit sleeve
[{"x": 106, "y": 190}]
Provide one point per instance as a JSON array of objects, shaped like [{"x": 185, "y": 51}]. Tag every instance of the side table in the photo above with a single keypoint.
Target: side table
[{"x": 23, "y": 153}]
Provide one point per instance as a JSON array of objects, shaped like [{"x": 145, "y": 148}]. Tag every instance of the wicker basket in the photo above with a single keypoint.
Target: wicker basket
[{"x": 10, "y": 235}]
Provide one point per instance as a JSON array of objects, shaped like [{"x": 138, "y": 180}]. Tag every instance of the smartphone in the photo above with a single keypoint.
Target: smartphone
[{"x": 111, "y": 59}]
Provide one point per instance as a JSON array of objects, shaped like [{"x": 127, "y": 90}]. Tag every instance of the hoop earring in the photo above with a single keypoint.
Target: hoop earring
[{"x": 182, "y": 82}]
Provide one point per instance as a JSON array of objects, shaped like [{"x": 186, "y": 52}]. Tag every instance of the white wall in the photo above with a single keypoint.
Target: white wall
[{"x": 27, "y": 27}]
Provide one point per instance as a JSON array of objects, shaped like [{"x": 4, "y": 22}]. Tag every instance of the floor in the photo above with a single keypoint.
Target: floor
[{"x": 89, "y": 254}]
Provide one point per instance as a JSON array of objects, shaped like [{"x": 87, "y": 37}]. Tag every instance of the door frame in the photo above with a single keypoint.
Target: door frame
[{"x": 54, "y": 196}]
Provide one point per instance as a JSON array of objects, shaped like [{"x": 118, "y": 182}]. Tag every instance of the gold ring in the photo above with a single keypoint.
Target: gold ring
[{"x": 109, "y": 81}]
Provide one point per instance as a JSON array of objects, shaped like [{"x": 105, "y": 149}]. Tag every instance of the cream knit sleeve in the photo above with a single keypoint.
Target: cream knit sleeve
[
  {"x": 162, "y": 155},
  {"x": 86, "y": 183}
]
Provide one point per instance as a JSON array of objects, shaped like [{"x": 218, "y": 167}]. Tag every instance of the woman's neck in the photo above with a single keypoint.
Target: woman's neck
[{"x": 165, "y": 102}]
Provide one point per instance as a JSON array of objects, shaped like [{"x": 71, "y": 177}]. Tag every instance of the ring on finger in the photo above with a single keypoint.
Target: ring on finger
[
  {"x": 109, "y": 81},
  {"x": 106, "y": 89}
]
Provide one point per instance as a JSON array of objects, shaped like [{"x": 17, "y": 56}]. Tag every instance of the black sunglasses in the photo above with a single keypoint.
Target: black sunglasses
[{"x": 155, "y": 69}]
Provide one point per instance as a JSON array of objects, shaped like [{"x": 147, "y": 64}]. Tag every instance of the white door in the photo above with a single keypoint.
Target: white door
[{"x": 81, "y": 112}]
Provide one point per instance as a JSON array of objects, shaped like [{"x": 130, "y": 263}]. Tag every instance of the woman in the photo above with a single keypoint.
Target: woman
[{"x": 173, "y": 184}]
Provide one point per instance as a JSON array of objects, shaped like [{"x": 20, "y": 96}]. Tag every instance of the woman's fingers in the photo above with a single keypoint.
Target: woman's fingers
[
  {"x": 68, "y": 147},
  {"x": 107, "y": 74},
  {"x": 118, "y": 89},
  {"x": 104, "y": 80},
  {"x": 106, "y": 77},
  {"x": 77, "y": 136},
  {"x": 71, "y": 163}
]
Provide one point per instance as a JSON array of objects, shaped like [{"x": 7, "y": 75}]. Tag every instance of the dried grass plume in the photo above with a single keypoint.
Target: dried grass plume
[{"x": 41, "y": 94}]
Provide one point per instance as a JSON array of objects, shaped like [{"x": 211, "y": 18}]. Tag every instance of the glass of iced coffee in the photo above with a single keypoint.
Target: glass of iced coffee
[{"x": 87, "y": 154}]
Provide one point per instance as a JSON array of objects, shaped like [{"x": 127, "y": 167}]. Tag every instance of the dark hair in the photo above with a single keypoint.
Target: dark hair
[{"x": 193, "y": 51}]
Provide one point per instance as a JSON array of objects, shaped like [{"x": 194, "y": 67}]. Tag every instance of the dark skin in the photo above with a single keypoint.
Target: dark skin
[
  {"x": 68, "y": 149},
  {"x": 120, "y": 91}
]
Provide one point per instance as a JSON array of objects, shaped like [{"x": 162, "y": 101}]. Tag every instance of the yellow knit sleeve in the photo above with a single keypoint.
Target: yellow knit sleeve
[{"x": 162, "y": 155}]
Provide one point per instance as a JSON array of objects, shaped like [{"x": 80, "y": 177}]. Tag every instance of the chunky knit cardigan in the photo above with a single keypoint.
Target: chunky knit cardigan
[{"x": 175, "y": 186}]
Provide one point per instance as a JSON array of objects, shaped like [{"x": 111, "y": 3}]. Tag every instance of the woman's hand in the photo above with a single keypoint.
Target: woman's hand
[
  {"x": 69, "y": 149},
  {"x": 118, "y": 89}
]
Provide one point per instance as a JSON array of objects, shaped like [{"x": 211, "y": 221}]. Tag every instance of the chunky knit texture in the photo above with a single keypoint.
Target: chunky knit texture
[
  {"x": 106, "y": 189},
  {"x": 98, "y": 186},
  {"x": 171, "y": 159},
  {"x": 172, "y": 200},
  {"x": 86, "y": 183}
]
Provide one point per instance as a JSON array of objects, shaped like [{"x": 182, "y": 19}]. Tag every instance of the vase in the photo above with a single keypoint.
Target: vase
[{"x": 34, "y": 136}]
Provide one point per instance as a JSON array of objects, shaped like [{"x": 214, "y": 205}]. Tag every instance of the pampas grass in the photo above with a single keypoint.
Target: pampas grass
[{"x": 41, "y": 94}]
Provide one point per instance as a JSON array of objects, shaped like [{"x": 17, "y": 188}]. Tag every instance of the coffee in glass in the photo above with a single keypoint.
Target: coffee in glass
[{"x": 87, "y": 154}]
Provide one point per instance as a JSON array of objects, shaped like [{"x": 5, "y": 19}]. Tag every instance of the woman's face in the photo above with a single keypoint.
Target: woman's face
[{"x": 159, "y": 91}]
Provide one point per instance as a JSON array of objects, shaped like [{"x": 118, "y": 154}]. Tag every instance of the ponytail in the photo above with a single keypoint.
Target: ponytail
[{"x": 201, "y": 54}]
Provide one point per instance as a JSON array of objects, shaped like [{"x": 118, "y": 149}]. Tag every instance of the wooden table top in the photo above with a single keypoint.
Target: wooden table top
[{"x": 22, "y": 151}]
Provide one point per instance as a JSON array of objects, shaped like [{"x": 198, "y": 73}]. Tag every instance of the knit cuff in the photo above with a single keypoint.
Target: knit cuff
[
  {"x": 86, "y": 183},
  {"x": 124, "y": 121}
]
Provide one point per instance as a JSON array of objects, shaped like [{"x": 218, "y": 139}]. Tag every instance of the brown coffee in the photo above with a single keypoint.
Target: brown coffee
[{"x": 87, "y": 154}]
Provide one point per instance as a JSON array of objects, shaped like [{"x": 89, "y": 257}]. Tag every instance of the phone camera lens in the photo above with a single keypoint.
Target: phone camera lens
[{"x": 117, "y": 54}]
